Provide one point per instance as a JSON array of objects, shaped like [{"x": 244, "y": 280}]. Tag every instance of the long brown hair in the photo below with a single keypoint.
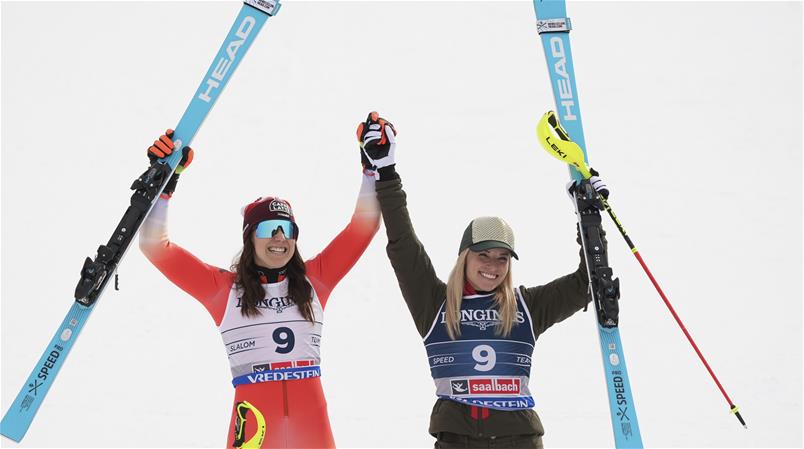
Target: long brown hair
[
  {"x": 504, "y": 299},
  {"x": 248, "y": 282}
]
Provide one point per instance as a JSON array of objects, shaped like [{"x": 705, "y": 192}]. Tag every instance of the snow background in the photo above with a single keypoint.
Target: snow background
[{"x": 693, "y": 114}]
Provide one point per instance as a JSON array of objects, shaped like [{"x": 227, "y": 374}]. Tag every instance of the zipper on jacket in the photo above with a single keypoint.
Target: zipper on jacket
[{"x": 285, "y": 397}]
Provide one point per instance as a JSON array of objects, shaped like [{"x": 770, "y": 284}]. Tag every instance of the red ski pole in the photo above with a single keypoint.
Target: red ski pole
[
  {"x": 564, "y": 149},
  {"x": 733, "y": 408}
]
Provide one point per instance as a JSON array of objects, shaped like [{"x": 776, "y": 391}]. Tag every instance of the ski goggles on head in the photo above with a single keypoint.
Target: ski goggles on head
[{"x": 268, "y": 228}]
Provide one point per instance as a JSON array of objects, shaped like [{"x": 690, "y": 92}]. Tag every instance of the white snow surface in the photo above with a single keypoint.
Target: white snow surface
[{"x": 693, "y": 115}]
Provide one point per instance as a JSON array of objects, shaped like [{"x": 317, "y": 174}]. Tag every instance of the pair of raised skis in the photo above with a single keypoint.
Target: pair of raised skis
[
  {"x": 96, "y": 274},
  {"x": 554, "y": 26}
]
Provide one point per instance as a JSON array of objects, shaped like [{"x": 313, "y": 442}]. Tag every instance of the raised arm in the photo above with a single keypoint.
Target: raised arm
[
  {"x": 327, "y": 268},
  {"x": 208, "y": 284},
  {"x": 422, "y": 290},
  {"x": 557, "y": 300}
]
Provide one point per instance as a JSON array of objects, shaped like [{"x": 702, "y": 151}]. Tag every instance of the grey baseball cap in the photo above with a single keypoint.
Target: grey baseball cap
[{"x": 486, "y": 233}]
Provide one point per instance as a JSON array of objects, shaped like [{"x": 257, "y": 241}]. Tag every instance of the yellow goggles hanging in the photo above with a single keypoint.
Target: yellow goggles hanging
[{"x": 254, "y": 442}]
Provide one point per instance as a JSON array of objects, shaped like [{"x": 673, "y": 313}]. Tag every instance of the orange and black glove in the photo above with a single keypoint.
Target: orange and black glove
[{"x": 163, "y": 147}]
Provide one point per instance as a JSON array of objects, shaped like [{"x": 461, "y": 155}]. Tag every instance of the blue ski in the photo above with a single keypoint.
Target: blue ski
[
  {"x": 96, "y": 274},
  {"x": 553, "y": 26}
]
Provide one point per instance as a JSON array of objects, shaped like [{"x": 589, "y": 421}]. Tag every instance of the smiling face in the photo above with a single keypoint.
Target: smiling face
[
  {"x": 273, "y": 252},
  {"x": 486, "y": 269}
]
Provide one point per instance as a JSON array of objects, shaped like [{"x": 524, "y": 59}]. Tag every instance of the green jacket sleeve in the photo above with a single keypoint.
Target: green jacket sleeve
[
  {"x": 557, "y": 300},
  {"x": 421, "y": 288}
]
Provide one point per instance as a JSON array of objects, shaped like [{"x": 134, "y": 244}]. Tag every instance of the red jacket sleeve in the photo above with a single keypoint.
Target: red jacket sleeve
[
  {"x": 208, "y": 284},
  {"x": 327, "y": 268}
]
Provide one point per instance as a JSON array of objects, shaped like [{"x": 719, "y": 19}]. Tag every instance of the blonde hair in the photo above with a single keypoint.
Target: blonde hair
[{"x": 504, "y": 299}]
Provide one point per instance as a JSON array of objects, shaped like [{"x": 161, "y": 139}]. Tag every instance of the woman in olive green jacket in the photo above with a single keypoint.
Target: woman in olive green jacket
[{"x": 479, "y": 331}]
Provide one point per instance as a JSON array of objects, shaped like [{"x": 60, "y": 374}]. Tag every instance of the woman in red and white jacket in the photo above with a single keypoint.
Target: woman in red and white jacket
[{"x": 268, "y": 307}]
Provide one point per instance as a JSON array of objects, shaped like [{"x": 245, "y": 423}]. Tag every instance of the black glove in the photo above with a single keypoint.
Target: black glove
[{"x": 597, "y": 183}]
